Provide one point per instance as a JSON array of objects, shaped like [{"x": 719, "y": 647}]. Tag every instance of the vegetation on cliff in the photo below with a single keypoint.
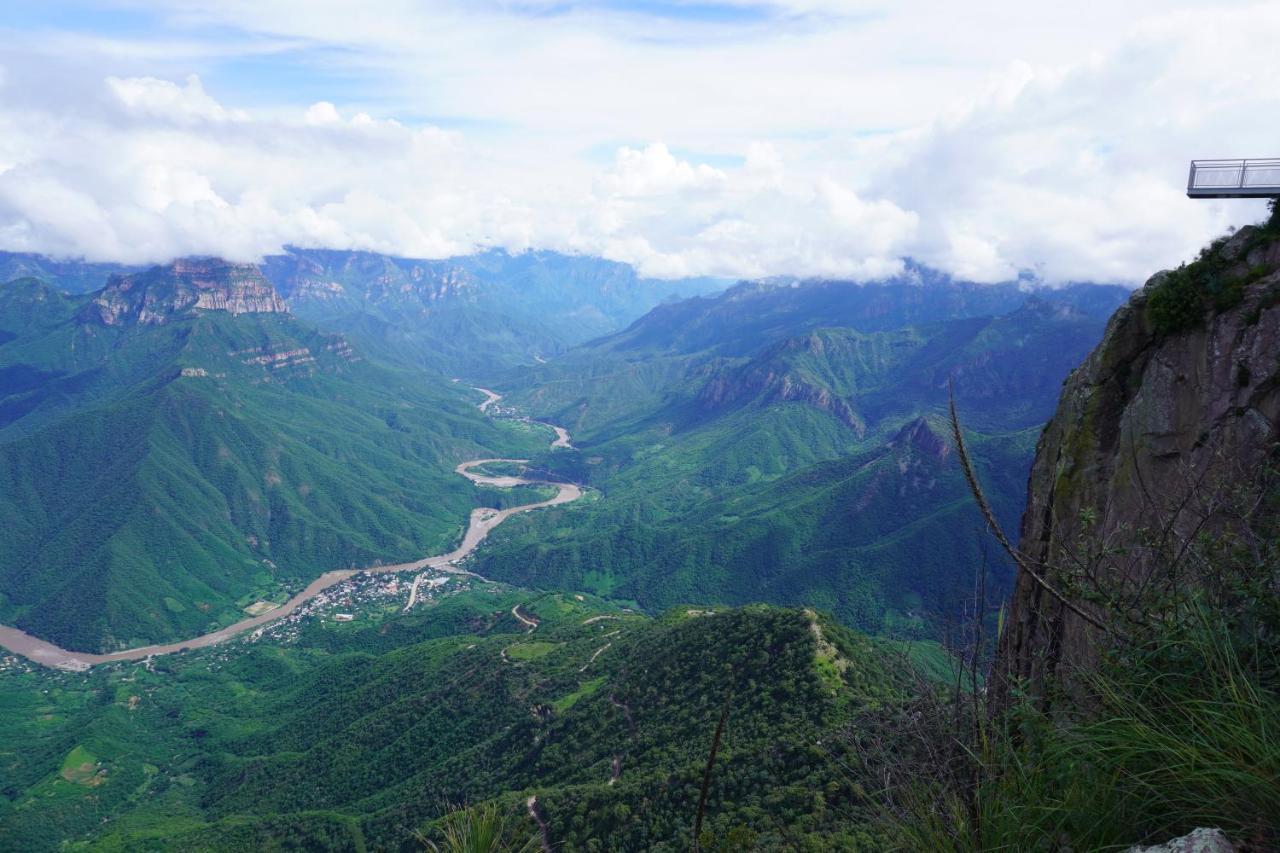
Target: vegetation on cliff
[
  {"x": 1136, "y": 694},
  {"x": 1216, "y": 281}
]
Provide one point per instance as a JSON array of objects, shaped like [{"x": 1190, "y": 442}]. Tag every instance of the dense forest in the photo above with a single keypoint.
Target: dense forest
[{"x": 358, "y": 734}]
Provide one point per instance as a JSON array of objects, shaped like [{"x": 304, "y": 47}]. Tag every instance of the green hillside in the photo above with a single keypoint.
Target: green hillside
[
  {"x": 157, "y": 477},
  {"x": 789, "y": 444},
  {"x": 341, "y": 741}
]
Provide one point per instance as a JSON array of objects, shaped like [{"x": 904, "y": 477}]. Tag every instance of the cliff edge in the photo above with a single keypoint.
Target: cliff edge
[{"x": 1159, "y": 437}]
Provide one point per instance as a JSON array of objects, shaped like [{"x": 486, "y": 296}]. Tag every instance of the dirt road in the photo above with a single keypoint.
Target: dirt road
[{"x": 482, "y": 521}]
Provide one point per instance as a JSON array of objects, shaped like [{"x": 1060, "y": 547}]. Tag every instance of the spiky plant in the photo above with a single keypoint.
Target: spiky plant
[{"x": 483, "y": 828}]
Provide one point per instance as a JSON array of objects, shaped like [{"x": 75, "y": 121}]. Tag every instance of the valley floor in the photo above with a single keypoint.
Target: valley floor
[{"x": 482, "y": 521}]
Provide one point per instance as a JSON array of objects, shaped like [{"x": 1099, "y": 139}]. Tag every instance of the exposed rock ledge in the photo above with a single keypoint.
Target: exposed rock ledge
[
  {"x": 1145, "y": 415},
  {"x": 162, "y": 293}
]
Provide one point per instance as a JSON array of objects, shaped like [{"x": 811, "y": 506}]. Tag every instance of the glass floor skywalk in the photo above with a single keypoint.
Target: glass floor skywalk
[{"x": 1234, "y": 179}]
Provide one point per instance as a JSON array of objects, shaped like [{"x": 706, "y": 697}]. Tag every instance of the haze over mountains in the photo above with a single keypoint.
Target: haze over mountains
[{"x": 469, "y": 316}]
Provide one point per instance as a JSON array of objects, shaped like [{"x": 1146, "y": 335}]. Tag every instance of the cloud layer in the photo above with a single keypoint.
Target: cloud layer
[{"x": 837, "y": 138}]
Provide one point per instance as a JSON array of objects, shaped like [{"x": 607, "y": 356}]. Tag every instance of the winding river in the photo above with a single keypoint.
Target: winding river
[{"x": 482, "y": 521}]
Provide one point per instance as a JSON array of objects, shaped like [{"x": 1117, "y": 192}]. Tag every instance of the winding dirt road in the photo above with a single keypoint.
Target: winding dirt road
[
  {"x": 483, "y": 520},
  {"x": 490, "y": 397}
]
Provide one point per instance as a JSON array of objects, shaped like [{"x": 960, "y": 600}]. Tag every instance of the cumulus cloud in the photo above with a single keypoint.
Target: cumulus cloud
[
  {"x": 1077, "y": 171},
  {"x": 322, "y": 112},
  {"x": 653, "y": 171},
  {"x": 186, "y": 104},
  {"x": 671, "y": 218},
  {"x": 834, "y": 153}
]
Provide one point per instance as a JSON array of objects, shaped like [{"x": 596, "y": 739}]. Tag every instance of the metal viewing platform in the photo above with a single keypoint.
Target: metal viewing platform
[{"x": 1234, "y": 179}]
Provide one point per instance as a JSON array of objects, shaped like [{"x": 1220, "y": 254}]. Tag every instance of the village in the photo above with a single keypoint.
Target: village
[{"x": 363, "y": 597}]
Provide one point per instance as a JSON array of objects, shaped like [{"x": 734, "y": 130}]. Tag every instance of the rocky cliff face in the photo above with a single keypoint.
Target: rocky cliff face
[
  {"x": 163, "y": 293},
  {"x": 368, "y": 279},
  {"x": 1176, "y": 408}
]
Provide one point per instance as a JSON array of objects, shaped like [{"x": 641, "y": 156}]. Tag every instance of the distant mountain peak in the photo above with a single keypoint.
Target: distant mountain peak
[
  {"x": 1037, "y": 305},
  {"x": 179, "y": 289}
]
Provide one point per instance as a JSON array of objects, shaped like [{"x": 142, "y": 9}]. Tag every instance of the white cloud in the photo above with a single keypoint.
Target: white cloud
[
  {"x": 1005, "y": 139},
  {"x": 322, "y": 112},
  {"x": 147, "y": 96},
  {"x": 654, "y": 171}
]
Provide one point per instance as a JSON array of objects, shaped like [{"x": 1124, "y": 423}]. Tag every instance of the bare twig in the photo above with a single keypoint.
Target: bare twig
[{"x": 985, "y": 508}]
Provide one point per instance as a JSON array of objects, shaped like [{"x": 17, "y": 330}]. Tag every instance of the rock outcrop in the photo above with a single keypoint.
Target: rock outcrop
[
  {"x": 1173, "y": 406},
  {"x": 161, "y": 294},
  {"x": 1203, "y": 840},
  {"x": 921, "y": 438}
]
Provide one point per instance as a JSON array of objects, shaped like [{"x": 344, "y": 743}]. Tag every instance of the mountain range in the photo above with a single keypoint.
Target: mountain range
[
  {"x": 178, "y": 445},
  {"x": 787, "y": 441},
  {"x": 191, "y": 439},
  {"x": 467, "y": 316},
  {"x": 181, "y": 444}
]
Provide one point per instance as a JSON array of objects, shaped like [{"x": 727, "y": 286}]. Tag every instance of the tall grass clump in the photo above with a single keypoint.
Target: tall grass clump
[
  {"x": 483, "y": 828},
  {"x": 1181, "y": 733}
]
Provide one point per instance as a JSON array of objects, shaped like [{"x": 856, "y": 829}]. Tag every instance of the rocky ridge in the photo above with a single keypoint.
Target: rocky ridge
[
  {"x": 773, "y": 378},
  {"x": 1171, "y": 405},
  {"x": 162, "y": 293},
  {"x": 365, "y": 278}
]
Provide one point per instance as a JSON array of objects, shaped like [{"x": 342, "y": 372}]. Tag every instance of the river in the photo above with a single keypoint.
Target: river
[{"x": 482, "y": 521}]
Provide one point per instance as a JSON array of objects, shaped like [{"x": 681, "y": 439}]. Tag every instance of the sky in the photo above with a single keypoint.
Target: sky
[{"x": 832, "y": 138}]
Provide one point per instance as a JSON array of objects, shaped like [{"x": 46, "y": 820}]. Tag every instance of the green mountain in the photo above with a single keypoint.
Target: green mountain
[
  {"x": 787, "y": 442},
  {"x": 71, "y": 276},
  {"x": 352, "y": 736},
  {"x": 469, "y": 316},
  {"x": 472, "y": 316},
  {"x": 177, "y": 445}
]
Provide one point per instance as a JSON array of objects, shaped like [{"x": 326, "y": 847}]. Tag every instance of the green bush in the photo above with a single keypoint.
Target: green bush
[{"x": 1186, "y": 295}]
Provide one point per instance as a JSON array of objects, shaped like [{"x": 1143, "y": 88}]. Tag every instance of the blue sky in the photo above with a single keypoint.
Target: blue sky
[{"x": 742, "y": 138}]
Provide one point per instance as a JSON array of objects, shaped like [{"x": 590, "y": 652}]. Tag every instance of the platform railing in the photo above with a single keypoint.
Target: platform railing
[{"x": 1212, "y": 177}]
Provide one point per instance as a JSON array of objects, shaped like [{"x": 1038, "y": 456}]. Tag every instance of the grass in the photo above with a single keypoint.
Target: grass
[
  {"x": 485, "y": 828},
  {"x": 1183, "y": 734},
  {"x": 586, "y": 689},
  {"x": 80, "y": 766},
  {"x": 532, "y": 650}
]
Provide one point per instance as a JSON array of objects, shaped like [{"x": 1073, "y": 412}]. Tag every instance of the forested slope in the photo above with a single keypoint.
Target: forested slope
[
  {"x": 164, "y": 464},
  {"x": 341, "y": 741},
  {"x": 786, "y": 442}
]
